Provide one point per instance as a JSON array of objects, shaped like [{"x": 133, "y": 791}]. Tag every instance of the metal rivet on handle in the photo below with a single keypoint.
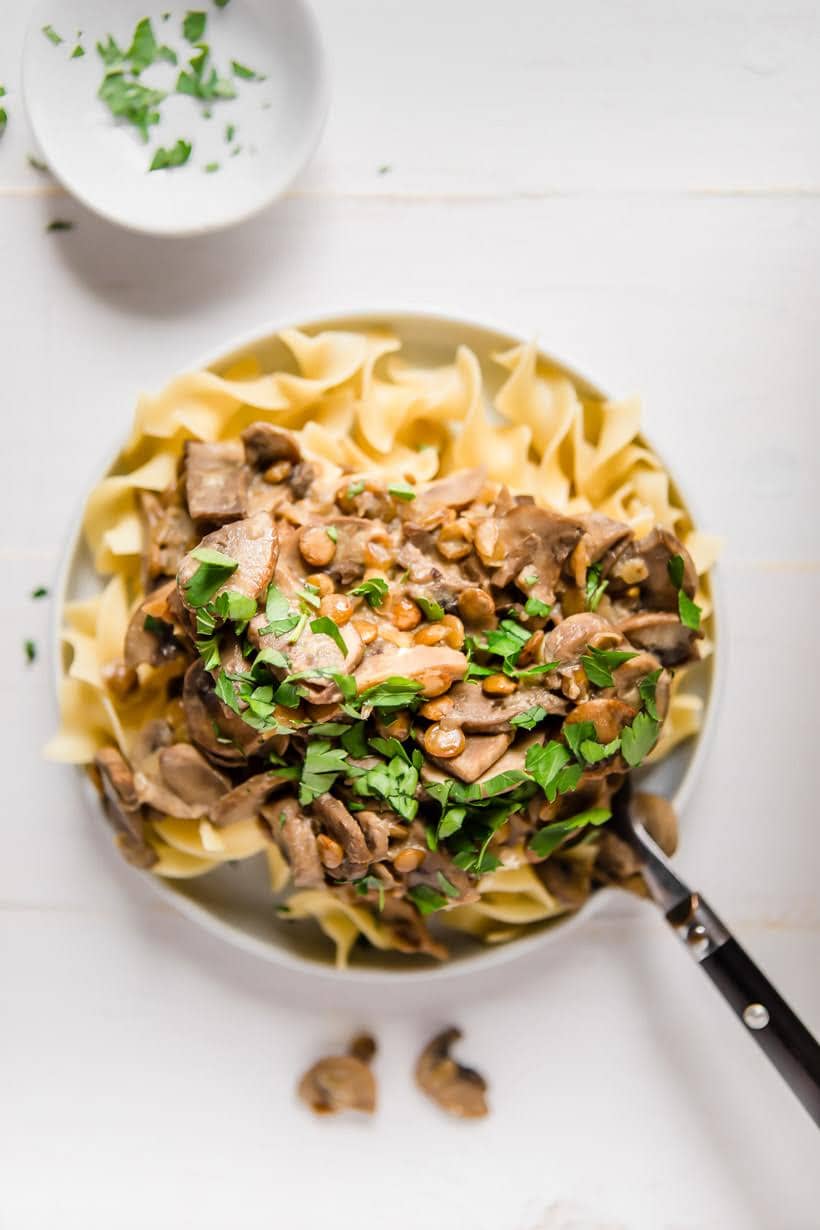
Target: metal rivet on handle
[{"x": 755, "y": 1016}]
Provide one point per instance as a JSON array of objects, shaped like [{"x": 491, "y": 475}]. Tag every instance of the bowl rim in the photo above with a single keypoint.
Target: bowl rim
[
  {"x": 307, "y": 147},
  {"x": 492, "y": 956}
]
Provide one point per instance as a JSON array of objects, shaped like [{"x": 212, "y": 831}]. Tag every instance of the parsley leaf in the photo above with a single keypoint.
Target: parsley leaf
[
  {"x": 271, "y": 657},
  {"x": 332, "y": 533},
  {"x": 354, "y": 741},
  {"x": 688, "y": 611},
  {"x": 446, "y": 887},
  {"x": 594, "y": 588},
  {"x": 426, "y": 899},
  {"x": 176, "y": 156},
  {"x": 373, "y": 591},
  {"x": 576, "y": 733},
  {"x": 395, "y": 693},
  {"x": 325, "y": 626},
  {"x": 30, "y": 650},
  {"x": 193, "y": 26},
  {"x": 225, "y": 691},
  {"x": 233, "y": 605},
  {"x": 401, "y": 491},
  {"x": 594, "y": 752},
  {"x": 321, "y": 766},
  {"x": 212, "y": 573},
  {"x": 367, "y": 883},
  {"x": 131, "y": 101},
  {"x": 450, "y": 822},
  {"x": 550, "y": 837},
  {"x": 599, "y": 664},
  {"x": 638, "y": 739},
  {"x": 40, "y": 592},
  {"x": 675, "y": 568},
  {"x": 60, "y": 224},
  {"x": 355, "y": 488},
  {"x": 530, "y": 718},
  {"x": 52, "y": 35},
  {"x": 247, "y": 74},
  {"x": 534, "y": 606},
  {"x": 646, "y": 691},
  {"x": 544, "y": 763},
  {"x": 433, "y": 611},
  {"x": 78, "y": 52}
]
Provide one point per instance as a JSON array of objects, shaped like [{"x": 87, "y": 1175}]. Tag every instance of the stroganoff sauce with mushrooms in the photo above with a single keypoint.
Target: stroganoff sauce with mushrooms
[{"x": 396, "y": 689}]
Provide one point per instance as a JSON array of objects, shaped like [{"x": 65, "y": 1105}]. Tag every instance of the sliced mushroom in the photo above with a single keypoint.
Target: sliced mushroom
[
  {"x": 342, "y": 1082},
  {"x": 455, "y": 491},
  {"x": 339, "y": 822},
  {"x": 601, "y": 536},
  {"x": 266, "y": 444},
  {"x": 155, "y": 643},
  {"x": 252, "y": 543},
  {"x": 247, "y": 799},
  {"x": 477, "y": 713},
  {"x": 661, "y": 633},
  {"x": 376, "y": 831},
  {"x": 430, "y": 576},
  {"x": 293, "y": 831},
  {"x": 179, "y": 781},
  {"x": 411, "y": 663},
  {"x": 169, "y": 533},
  {"x": 219, "y": 732},
  {"x": 215, "y": 481},
  {"x": 480, "y": 753},
  {"x": 539, "y": 541},
  {"x": 607, "y": 714},
  {"x": 629, "y": 675},
  {"x": 456, "y": 1089},
  {"x": 408, "y": 930},
  {"x": 122, "y": 802},
  {"x": 565, "y": 643},
  {"x": 646, "y": 564}
]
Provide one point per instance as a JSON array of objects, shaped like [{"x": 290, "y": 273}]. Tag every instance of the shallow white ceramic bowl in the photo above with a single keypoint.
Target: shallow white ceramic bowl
[
  {"x": 235, "y": 902},
  {"x": 104, "y": 163}
]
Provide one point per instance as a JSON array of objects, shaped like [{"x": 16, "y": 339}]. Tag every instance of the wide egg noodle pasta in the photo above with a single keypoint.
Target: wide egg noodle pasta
[{"x": 358, "y": 406}]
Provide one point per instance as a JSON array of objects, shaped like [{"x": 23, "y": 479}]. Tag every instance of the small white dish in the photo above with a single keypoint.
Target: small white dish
[
  {"x": 235, "y": 903},
  {"x": 103, "y": 161}
]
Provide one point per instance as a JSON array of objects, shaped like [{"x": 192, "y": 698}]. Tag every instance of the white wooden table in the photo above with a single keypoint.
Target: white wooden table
[{"x": 639, "y": 185}]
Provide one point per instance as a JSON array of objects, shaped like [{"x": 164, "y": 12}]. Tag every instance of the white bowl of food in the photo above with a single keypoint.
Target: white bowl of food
[
  {"x": 361, "y": 630},
  {"x": 175, "y": 123}
]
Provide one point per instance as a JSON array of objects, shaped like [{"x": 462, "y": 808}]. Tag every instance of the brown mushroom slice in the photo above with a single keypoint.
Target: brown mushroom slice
[
  {"x": 342, "y": 1082},
  {"x": 480, "y": 753},
  {"x": 606, "y": 713},
  {"x": 645, "y": 563},
  {"x": 408, "y": 930},
  {"x": 432, "y": 577},
  {"x": 455, "y": 491},
  {"x": 264, "y": 445},
  {"x": 601, "y": 537},
  {"x": 539, "y": 541},
  {"x": 155, "y": 643},
  {"x": 215, "y": 481},
  {"x": 188, "y": 774},
  {"x": 477, "y": 713},
  {"x": 219, "y": 732},
  {"x": 342, "y": 826},
  {"x": 376, "y": 831},
  {"x": 252, "y": 543},
  {"x": 120, "y": 797},
  {"x": 293, "y": 831},
  {"x": 458, "y": 1090},
  {"x": 352, "y": 537},
  {"x": 411, "y": 663},
  {"x": 662, "y": 634},
  {"x": 247, "y": 799},
  {"x": 169, "y": 533},
  {"x": 566, "y": 642},
  {"x": 629, "y": 675}
]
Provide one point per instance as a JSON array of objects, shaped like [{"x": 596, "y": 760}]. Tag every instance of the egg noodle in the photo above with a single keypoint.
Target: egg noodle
[{"x": 362, "y": 410}]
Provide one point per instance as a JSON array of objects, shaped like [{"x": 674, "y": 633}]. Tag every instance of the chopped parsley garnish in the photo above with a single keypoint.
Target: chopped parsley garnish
[
  {"x": 646, "y": 691},
  {"x": 401, "y": 491},
  {"x": 322, "y": 765},
  {"x": 52, "y": 35},
  {"x": 78, "y": 52},
  {"x": 534, "y": 606},
  {"x": 212, "y": 573},
  {"x": 545, "y": 763},
  {"x": 395, "y": 693},
  {"x": 60, "y": 224},
  {"x": 638, "y": 739},
  {"x": 355, "y": 488},
  {"x": 371, "y": 883},
  {"x": 385, "y": 168},
  {"x": 30, "y": 650},
  {"x": 40, "y": 592},
  {"x": 325, "y": 626},
  {"x": 599, "y": 664},
  {"x": 222, "y": 4},
  {"x": 235, "y": 606},
  {"x": 426, "y": 899},
  {"x": 373, "y": 591},
  {"x": 394, "y": 780},
  {"x": 332, "y": 533},
  {"x": 530, "y": 718},
  {"x": 594, "y": 588},
  {"x": 247, "y": 74},
  {"x": 530, "y": 579},
  {"x": 176, "y": 156},
  {"x": 433, "y": 611},
  {"x": 230, "y": 132},
  {"x": 446, "y": 887},
  {"x": 131, "y": 101},
  {"x": 207, "y": 86},
  {"x": 550, "y": 837},
  {"x": 688, "y": 610},
  {"x": 193, "y": 26},
  {"x": 36, "y": 164},
  {"x": 210, "y": 167}
]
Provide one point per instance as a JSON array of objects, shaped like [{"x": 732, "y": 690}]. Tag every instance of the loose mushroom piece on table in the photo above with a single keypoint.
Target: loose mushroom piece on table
[
  {"x": 458, "y": 1090},
  {"x": 342, "y": 1082}
]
